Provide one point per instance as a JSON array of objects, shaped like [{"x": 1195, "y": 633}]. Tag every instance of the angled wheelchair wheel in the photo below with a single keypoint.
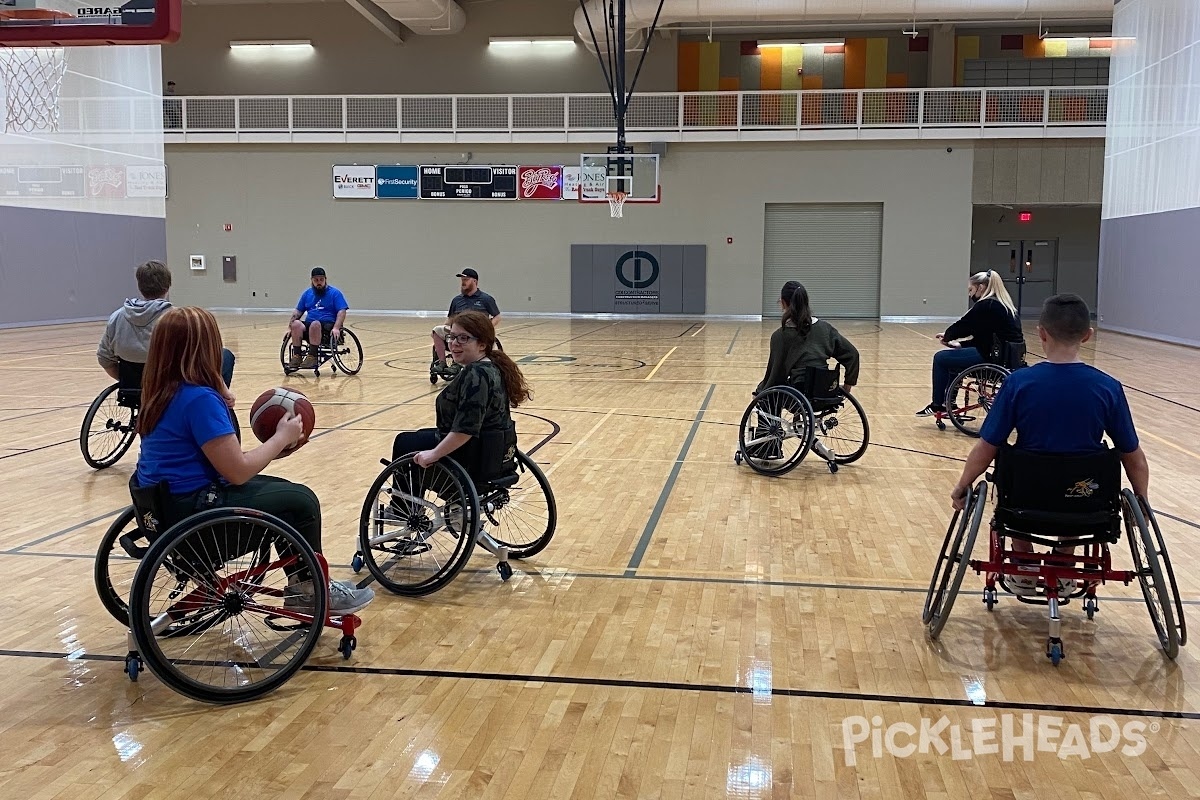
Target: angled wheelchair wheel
[
  {"x": 417, "y": 525},
  {"x": 522, "y": 517},
  {"x": 108, "y": 430},
  {"x": 1161, "y": 597},
  {"x": 844, "y": 430},
  {"x": 776, "y": 431},
  {"x": 1168, "y": 570},
  {"x": 284, "y": 353},
  {"x": 348, "y": 353},
  {"x": 953, "y": 561},
  {"x": 210, "y": 608},
  {"x": 970, "y": 396},
  {"x": 121, "y": 550}
]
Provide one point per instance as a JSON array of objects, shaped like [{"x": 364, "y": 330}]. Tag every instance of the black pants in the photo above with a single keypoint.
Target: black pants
[{"x": 414, "y": 441}]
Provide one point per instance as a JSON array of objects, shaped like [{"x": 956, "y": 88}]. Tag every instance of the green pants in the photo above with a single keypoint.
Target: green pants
[{"x": 294, "y": 503}]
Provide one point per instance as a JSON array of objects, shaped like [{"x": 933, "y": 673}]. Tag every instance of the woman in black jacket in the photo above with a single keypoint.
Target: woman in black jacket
[
  {"x": 804, "y": 341},
  {"x": 992, "y": 319}
]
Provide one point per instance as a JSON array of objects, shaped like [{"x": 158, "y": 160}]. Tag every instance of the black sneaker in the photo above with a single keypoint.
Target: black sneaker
[{"x": 930, "y": 410}]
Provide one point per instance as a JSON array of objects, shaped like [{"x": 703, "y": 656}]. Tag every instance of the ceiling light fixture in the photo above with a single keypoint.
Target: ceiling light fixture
[
  {"x": 532, "y": 41},
  {"x": 273, "y": 44}
]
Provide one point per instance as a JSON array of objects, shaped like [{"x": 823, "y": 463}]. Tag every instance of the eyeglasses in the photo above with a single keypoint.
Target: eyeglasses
[{"x": 461, "y": 338}]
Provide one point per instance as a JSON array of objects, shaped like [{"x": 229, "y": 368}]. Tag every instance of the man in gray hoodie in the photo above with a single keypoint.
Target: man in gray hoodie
[{"x": 127, "y": 335}]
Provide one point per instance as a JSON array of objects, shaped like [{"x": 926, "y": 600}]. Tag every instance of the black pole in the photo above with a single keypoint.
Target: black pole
[{"x": 619, "y": 67}]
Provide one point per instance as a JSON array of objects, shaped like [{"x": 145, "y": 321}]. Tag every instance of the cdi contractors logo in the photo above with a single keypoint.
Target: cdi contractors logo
[
  {"x": 396, "y": 180},
  {"x": 540, "y": 183},
  {"x": 637, "y": 270},
  {"x": 354, "y": 181}
]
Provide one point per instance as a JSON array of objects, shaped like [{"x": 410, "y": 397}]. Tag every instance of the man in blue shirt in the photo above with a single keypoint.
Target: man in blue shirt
[
  {"x": 326, "y": 308},
  {"x": 1059, "y": 406},
  {"x": 469, "y": 298}
]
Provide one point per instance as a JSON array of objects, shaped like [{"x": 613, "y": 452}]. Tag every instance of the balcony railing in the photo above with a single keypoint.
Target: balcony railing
[{"x": 676, "y": 116}]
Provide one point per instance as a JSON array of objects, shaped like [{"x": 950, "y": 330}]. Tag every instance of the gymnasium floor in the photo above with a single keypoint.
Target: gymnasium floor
[{"x": 693, "y": 630}]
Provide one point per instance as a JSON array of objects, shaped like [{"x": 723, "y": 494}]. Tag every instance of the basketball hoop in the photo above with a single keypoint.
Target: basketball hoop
[
  {"x": 32, "y": 79},
  {"x": 616, "y": 201}
]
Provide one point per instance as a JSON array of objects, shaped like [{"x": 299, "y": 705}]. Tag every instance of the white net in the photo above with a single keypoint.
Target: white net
[
  {"x": 32, "y": 77},
  {"x": 616, "y": 202}
]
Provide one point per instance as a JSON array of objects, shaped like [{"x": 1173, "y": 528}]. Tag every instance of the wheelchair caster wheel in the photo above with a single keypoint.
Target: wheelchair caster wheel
[
  {"x": 347, "y": 645},
  {"x": 432, "y": 378},
  {"x": 133, "y": 665},
  {"x": 737, "y": 458},
  {"x": 833, "y": 467},
  {"x": 1054, "y": 651},
  {"x": 356, "y": 563},
  {"x": 941, "y": 425},
  {"x": 1092, "y": 606},
  {"x": 317, "y": 373},
  {"x": 989, "y": 598},
  {"x": 505, "y": 570}
]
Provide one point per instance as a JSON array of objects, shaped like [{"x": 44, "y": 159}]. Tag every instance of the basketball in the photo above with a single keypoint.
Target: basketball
[{"x": 275, "y": 404}]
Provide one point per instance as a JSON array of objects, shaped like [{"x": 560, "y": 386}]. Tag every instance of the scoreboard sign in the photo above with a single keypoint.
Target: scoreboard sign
[
  {"x": 468, "y": 182},
  {"x": 41, "y": 181}
]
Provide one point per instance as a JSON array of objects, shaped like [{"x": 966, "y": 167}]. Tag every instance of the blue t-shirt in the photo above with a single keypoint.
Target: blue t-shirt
[
  {"x": 171, "y": 452},
  {"x": 324, "y": 308},
  {"x": 1061, "y": 408}
]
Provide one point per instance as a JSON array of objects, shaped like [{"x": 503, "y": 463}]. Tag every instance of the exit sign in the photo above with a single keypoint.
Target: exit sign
[{"x": 1025, "y": 216}]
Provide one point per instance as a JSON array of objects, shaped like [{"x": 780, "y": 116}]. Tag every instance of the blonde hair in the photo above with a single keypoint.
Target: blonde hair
[{"x": 995, "y": 288}]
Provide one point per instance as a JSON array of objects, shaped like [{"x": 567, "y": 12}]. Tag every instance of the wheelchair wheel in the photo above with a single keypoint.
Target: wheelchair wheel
[
  {"x": 208, "y": 609},
  {"x": 953, "y": 561},
  {"x": 971, "y": 394},
  {"x": 1168, "y": 570},
  {"x": 523, "y": 516},
  {"x": 417, "y": 525},
  {"x": 1161, "y": 598},
  {"x": 284, "y": 353},
  {"x": 776, "y": 431},
  {"x": 348, "y": 353},
  {"x": 844, "y": 430},
  {"x": 121, "y": 550},
  {"x": 108, "y": 430}
]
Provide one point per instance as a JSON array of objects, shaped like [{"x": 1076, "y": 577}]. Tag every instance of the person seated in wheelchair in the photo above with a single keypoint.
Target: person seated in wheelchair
[
  {"x": 189, "y": 444},
  {"x": 1061, "y": 406},
  {"x": 322, "y": 307},
  {"x": 127, "y": 335},
  {"x": 801, "y": 342},
  {"x": 993, "y": 328},
  {"x": 477, "y": 402},
  {"x": 469, "y": 298}
]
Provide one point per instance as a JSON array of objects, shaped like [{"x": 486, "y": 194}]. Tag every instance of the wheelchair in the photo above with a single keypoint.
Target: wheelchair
[
  {"x": 972, "y": 391},
  {"x": 418, "y": 524},
  {"x": 346, "y": 354},
  {"x": 1059, "y": 501},
  {"x": 203, "y": 597},
  {"x": 110, "y": 424},
  {"x": 447, "y": 369},
  {"x": 783, "y": 423}
]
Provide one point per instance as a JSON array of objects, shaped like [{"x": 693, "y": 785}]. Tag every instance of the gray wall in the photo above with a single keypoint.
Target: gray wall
[
  {"x": 1077, "y": 231},
  {"x": 57, "y": 266},
  {"x": 350, "y": 56},
  {"x": 1148, "y": 279},
  {"x": 403, "y": 254},
  {"x": 1048, "y": 171}
]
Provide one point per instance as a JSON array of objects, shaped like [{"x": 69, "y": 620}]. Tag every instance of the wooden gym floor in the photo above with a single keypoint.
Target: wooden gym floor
[{"x": 694, "y": 629}]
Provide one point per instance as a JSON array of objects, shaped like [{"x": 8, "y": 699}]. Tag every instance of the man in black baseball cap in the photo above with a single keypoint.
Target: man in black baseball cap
[
  {"x": 469, "y": 298},
  {"x": 320, "y": 313}
]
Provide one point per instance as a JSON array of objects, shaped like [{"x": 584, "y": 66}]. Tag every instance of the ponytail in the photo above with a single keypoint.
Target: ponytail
[
  {"x": 798, "y": 312},
  {"x": 515, "y": 385}
]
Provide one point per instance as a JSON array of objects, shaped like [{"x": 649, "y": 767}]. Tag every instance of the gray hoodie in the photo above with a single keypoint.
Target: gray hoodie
[{"x": 127, "y": 336}]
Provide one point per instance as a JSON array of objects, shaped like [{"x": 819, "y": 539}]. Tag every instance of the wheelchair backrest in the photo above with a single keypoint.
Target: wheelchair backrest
[
  {"x": 1061, "y": 484},
  {"x": 149, "y": 505},
  {"x": 129, "y": 382},
  {"x": 1010, "y": 355},
  {"x": 818, "y": 383},
  {"x": 490, "y": 456}
]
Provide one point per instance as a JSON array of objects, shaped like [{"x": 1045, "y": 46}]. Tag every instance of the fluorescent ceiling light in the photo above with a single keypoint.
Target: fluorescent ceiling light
[
  {"x": 528, "y": 41},
  {"x": 823, "y": 42},
  {"x": 274, "y": 44}
]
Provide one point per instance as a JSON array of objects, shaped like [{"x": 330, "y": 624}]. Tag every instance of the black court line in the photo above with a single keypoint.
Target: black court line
[
  {"x": 1164, "y": 399},
  {"x": 555, "y": 429},
  {"x": 384, "y": 410},
  {"x": 1181, "y": 520},
  {"x": 683, "y": 686},
  {"x": 65, "y": 531},
  {"x": 638, "y": 552},
  {"x": 43, "y": 447},
  {"x": 735, "y": 335}
]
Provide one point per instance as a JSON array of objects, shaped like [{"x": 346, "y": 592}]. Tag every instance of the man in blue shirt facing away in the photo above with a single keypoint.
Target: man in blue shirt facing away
[
  {"x": 1061, "y": 406},
  {"x": 326, "y": 308}
]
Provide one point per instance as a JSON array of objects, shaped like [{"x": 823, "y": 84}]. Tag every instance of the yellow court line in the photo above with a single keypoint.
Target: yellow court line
[
  {"x": 700, "y": 328},
  {"x": 1169, "y": 443},
  {"x": 660, "y": 363},
  {"x": 550, "y": 469}
]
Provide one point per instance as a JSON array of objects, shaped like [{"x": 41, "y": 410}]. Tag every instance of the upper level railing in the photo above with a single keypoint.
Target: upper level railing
[{"x": 673, "y": 115}]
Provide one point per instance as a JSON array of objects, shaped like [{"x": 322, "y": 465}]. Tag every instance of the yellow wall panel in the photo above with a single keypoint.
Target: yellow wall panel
[{"x": 876, "y": 68}]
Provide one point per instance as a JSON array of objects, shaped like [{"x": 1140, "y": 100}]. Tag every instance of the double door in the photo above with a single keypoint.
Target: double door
[{"x": 1029, "y": 268}]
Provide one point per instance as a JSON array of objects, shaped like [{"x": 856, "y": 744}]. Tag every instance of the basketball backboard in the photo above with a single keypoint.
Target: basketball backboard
[
  {"x": 634, "y": 174},
  {"x": 27, "y": 23}
]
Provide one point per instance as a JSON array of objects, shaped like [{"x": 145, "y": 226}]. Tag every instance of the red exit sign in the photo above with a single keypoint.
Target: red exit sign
[{"x": 1025, "y": 216}]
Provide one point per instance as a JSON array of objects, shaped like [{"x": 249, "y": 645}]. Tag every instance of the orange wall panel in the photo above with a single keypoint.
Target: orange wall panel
[
  {"x": 688, "y": 74},
  {"x": 856, "y": 64}
]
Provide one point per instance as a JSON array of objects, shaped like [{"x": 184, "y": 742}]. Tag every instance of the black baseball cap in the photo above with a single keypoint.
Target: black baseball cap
[
  {"x": 318, "y": 272},
  {"x": 468, "y": 273}
]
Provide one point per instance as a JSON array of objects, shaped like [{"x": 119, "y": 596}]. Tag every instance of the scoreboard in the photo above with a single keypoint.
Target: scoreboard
[
  {"x": 468, "y": 182},
  {"x": 40, "y": 181}
]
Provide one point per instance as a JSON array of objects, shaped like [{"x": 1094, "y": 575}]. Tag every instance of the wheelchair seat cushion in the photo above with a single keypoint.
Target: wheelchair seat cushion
[{"x": 1093, "y": 524}]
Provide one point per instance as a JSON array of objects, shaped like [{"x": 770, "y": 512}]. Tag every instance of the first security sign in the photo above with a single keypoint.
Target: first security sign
[
  {"x": 354, "y": 181},
  {"x": 396, "y": 181}
]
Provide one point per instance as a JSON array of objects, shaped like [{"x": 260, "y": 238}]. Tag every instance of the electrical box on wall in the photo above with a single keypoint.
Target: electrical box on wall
[{"x": 229, "y": 268}]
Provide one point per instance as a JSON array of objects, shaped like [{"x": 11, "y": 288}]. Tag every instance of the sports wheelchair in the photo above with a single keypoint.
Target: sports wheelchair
[
  {"x": 110, "y": 424},
  {"x": 971, "y": 393},
  {"x": 1058, "y": 501},
  {"x": 418, "y": 524},
  {"x": 782, "y": 423},
  {"x": 447, "y": 369},
  {"x": 346, "y": 353},
  {"x": 206, "y": 607}
]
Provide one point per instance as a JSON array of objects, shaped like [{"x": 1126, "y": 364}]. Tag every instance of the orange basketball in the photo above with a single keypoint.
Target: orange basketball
[{"x": 275, "y": 404}]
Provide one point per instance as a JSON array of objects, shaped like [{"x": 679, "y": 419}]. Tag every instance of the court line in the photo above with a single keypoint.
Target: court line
[
  {"x": 661, "y": 362},
  {"x": 550, "y": 470},
  {"x": 1169, "y": 443},
  {"x": 639, "y": 551},
  {"x": 17, "y": 550},
  {"x": 735, "y": 335},
  {"x": 700, "y": 328},
  {"x": 684, "y": 686}
]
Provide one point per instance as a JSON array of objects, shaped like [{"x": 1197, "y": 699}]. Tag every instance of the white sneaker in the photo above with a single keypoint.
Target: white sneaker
[
  {"x": 343, "y": 598},
  {"x": 1023, "y": 585}
]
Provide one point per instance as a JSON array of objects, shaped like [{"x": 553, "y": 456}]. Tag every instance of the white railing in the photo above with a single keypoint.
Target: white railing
[{"x": 545, "y": 117}]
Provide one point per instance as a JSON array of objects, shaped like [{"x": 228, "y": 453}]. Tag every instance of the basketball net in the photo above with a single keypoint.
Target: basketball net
[
  {"x": 32, "y": 79},
  {"x": 616, "y": 201}
]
